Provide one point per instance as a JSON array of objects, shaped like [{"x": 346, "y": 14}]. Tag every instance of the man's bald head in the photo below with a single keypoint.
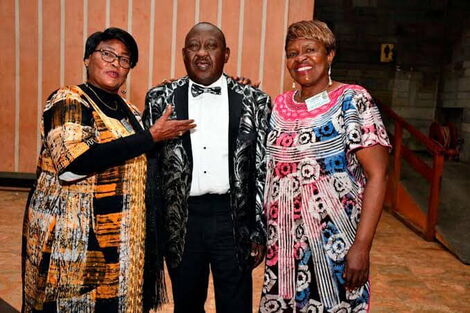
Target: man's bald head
[{"x": 206, "y": 26}]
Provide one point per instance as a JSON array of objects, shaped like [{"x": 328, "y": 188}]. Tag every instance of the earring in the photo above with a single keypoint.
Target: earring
[
  {"x": 330, "y": 82},
  {"x": 124, "y": 91},
  {"x": 293, "y": 85}
]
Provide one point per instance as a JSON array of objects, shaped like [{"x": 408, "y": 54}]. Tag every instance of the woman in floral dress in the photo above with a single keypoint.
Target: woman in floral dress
[{"x": 327, "y": 158}]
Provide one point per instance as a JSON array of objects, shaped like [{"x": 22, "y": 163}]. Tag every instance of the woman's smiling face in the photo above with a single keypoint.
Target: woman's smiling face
[{"x": 307, "y": 61}]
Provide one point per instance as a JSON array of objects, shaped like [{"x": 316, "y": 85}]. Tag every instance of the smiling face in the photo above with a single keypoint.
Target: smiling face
[
  {"x": 205, "y": 54},
  {"x": 308, "y": 62},
  {"x": 107, "y": 76}
]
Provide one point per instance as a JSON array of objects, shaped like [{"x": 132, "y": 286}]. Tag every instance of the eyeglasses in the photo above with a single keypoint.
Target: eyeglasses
[{"x": 110, "y": 57}]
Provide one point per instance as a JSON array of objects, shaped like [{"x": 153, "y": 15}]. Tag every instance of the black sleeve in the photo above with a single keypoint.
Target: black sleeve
[{"x": 105, "y": 155}]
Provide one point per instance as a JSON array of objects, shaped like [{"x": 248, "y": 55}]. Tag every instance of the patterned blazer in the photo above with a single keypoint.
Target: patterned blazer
[{"x": 170, "y": 168}]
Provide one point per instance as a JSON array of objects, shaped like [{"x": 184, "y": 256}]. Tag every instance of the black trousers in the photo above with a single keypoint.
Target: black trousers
[{"x": 210, "y": 246}]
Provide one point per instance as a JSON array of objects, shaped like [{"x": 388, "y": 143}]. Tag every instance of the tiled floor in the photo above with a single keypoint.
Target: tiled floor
[{"x": 408, "y": 274}]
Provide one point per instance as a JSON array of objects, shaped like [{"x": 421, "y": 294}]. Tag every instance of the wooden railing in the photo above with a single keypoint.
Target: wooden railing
[{"x": 432, "y": 173}]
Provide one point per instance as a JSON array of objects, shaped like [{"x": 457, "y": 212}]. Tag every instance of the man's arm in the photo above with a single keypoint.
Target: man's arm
[
  {"x": 154, "y": 106},
  {"x": 258, "y": 235}
]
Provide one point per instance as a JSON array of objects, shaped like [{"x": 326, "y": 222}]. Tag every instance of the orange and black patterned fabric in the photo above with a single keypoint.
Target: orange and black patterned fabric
[{"x": 83, "y": 239}]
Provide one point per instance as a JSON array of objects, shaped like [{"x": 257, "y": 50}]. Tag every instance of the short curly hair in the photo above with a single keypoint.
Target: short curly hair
[
  {"x": 313, "y": 29},
  {"x": 112, "y": 33}
]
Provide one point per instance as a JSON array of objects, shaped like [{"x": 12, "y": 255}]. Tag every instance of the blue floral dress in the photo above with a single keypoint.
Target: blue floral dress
[{"x": 313, "y": 200}]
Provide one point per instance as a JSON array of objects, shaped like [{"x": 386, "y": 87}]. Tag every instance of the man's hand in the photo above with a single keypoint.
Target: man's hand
[
  {"x": 257, "y": 253},
  {"x": 165, "y": 128},
  {"x": 356, "y": 271}
]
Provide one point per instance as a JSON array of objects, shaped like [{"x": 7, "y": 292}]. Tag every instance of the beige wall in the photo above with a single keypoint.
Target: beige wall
[{"x": 42, "y": 41}]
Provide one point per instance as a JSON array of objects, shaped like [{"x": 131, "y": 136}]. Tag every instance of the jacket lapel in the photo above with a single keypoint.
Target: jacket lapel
[
  {"x": 235, "y": 109},
  {"x": 181, "y": 109}
]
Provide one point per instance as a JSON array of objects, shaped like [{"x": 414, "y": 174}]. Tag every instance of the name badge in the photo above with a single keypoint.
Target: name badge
[
  {"x": 127, "y": 125},
  {"x": 317, "y": 100}
]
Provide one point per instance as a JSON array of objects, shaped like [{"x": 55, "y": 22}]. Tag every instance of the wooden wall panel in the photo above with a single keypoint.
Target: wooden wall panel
[
  {"x": 208, "y": 11},
  {"x": 96, "y": 20},
  {"x": 43, "y": 41},
  {"x": 140, "y": 31},
  {"x": 230, "y": 25},
  {"x": 118, "y": 13},
  {"x": 7, "y": 86},
  {"x": 162, "y": 41},
  {"x": 185, "y": 20},
  {"x": 300, "y": 10},
  {"x": 50, "y": 47},
  {"x": 251, "y": 39},
  {"x": 273, "y": 61},
  {"x": 73, "y": 66},
  {"x": 28, "y": 84}
]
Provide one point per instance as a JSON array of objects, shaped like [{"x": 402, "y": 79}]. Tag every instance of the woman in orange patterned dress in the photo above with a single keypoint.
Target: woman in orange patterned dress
[{"x": 84, "y": 230}]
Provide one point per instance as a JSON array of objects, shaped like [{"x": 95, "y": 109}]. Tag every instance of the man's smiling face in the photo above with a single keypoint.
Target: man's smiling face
[{"x": 205, "y": 54}]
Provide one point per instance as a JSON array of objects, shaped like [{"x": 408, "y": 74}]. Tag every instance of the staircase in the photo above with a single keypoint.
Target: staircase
[{"x": 428, "y": 194}]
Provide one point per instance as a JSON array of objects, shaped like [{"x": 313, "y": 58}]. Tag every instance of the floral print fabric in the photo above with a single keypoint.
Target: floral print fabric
[{"x": 313, "y": 200}]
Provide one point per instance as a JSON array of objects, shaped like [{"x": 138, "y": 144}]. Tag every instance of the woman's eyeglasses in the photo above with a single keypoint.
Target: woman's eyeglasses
[{"x": 110, "y": 57}]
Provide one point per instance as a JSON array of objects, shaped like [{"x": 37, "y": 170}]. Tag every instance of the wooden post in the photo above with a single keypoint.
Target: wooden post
[
  {"x": 397, "y": 140},
  {"x": 433, "y": 203}
]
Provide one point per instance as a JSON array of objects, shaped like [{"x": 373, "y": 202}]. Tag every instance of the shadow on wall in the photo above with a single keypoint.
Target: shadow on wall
[{"x": 6, "y": 308}]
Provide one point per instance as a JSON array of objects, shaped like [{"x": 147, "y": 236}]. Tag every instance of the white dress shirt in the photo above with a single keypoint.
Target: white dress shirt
[{"x": 209, "y": 140}]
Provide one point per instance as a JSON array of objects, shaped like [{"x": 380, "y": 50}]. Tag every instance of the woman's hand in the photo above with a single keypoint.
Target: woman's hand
[
  {"x": 167, "y": 81},
  {"x": 165, "y": 128},
  {"x": 246, "y": 81},
  {"x": 356, "y": 271},
  {"x": 374, "y": 161},
  {"x": 257, "y": 253}
]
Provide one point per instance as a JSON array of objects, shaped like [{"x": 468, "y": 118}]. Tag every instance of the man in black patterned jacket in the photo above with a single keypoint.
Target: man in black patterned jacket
[{"x": 208, "y": 184}]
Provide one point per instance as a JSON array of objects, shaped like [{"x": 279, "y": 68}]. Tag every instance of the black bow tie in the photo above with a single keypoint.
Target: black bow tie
[{"x": 197, "y": 90}]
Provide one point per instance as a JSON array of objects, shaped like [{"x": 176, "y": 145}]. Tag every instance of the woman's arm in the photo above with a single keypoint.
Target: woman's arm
[
  {"x": 374, "y": 161},
  {"x": 105, "y": 155}
]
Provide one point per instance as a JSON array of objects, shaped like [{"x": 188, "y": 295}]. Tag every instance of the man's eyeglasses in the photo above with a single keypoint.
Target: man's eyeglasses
[{"x": 110, "y": 57}]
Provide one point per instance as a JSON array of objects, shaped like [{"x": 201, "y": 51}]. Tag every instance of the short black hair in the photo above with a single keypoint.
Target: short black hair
[{"x": 112, "y": 33}]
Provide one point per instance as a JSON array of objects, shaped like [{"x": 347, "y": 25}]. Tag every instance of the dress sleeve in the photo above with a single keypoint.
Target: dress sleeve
[
  {"x": 364, "y": 126},
  {"x": 69, "y": 131},
  {"x": 105, "y": 155}
]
